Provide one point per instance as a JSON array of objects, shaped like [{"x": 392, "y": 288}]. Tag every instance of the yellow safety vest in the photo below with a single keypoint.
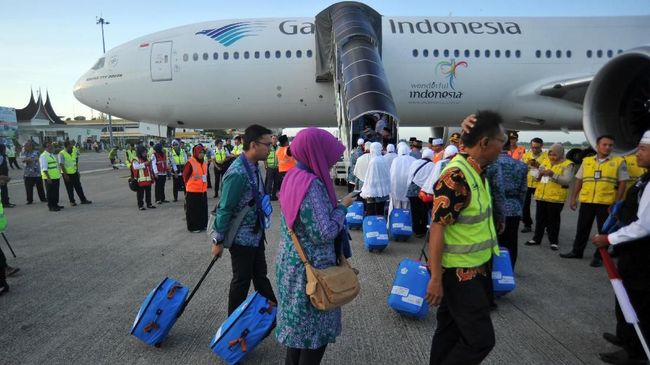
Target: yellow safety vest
[
  {"x": 52, "y": 167},
  {"x": 3, "y": 219},
  {"x": 271, "y": 159},
  {"x": 220, "y": 156},
  {"x": 69, "y": 162},
  {"x": 472, "y": 239},
  {"x": 599, "y": 189},
  {"x": 551, "y": 191},
  {"x": 237, "y": 150},
  {"x": 532, "y": 182},
  {"x": 180, "y": 158},
  {"x": 130, "y": 156}
]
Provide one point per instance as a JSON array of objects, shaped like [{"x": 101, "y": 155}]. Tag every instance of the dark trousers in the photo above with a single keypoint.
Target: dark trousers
[
  {"x": 248, "y": 264},
  {"x": 74, "y": 184},
  {"x": 178, "y": 184},
  {"x": 586, "y": 215},
  {"x": 217, "y": 180},
  {"x": 351, "y": 187},
  {"x": 464, "y": 334},
  {"x": 509, "y": 238},
  {"x": 375, "y": 208},
  {"x": 281, "y": 178},
  {"x": 30, "y": 182},
  {"x": 12, "y": 162},
  {"x": 272, "y": 181},
  {"x": 419, "y": 214},
  {"x": 144, "y": 192},
  {"x": 160, "y": 187},
  {"x": 3, "y": 268},
  {"x": 527, "y": 219},
  {"x": 52, "y": 189},
  {"x": 548, "y": 217},
  {"x": 304, "y": 356},
  {"x": 640, "y": 300},
  {"x": 4, "y": 192},
  {"x": 209, "y": 178}
]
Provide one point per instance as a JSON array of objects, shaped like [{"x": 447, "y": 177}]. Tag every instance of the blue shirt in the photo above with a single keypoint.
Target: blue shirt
[{"x": 507, "y": 178}]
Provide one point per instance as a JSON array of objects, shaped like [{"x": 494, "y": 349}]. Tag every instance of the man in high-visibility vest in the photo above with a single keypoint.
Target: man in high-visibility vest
[
  {"x": 129, "y": 155},
  {"x": 462, "y": 241},
  {"x": 5, "y": 270},
  {"x": 600, "y": 182},
  {"x": 534, "y": 159},
  {"x": 285, "y": 161},
  {"x": 272, "y": 174},
  {"x": 70, "y": 170},
  {"x": 516, "y": 152},
  {"x": 178, "y": 160},
  {"x": 237, "y": 148},
  {"x": 51, "y": 174},
  {"x": 220, "y": 159}
]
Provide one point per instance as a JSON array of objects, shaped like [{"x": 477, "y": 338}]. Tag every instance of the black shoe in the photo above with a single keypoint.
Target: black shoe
[
  {"x": 73, "y": 204},
  {"x": 151, "y": 206},
  {"x": 8, "y": 205},
  {"x": 554, "y": 247},
  {"x": 531, "y": 243},
  {"x": 4, "y": 288},
  {"x": 570, "y": 255},
  {"x": 596, "y": 262},
  {"x": 620, "y": 357},
  {"x": 30, "y": 203},
  {"x": 164, "y": 201},
  {"x": 60, "y": 206},
  {"x": 527, "y": 229},
  {"x": 86, "y": 202},
  {"x": 10, "y": 271},
  {"x": 55, "y": 209},
  {"x": 613, "y": 339},
  {"x": 175, "y": 200},
  {"x": 44, "y": 201}
]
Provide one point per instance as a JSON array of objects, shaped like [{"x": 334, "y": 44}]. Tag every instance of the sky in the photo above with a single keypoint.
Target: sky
[{"x": 48, "y": 45}]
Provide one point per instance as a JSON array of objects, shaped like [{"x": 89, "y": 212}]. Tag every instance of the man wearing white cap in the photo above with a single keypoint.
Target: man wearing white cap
[
  {"x": 437, "y": 145},
  {"x": 632, "y": 243},
  {"x": 354, "y": 156}
]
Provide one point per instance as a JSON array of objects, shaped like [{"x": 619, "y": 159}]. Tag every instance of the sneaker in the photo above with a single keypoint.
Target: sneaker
[
  {"x": 527, "y": 229},
  {"x": 10, "y": 271},
  {"x": 554, "y": 247},
  {"x": 531, "y": 243}
]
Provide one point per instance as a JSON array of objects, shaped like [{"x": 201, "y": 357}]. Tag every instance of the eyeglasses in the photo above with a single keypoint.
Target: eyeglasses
[{"x": 268, "y": 145}]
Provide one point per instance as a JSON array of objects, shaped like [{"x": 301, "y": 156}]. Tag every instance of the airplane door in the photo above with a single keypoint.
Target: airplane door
[{"x": 161, "y": 61}]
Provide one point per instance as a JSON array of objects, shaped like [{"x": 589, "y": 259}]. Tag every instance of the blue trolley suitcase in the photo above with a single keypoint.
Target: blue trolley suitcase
[
  {"x": 159, "y": 312},
  {"x": 503, "y": 279},
  {"x": 400, "y": 224},
  {"x": 354, "y": 217},
  {"x": 375, "y": 234},
  {"x": 244, "y": 329},
  {"x": 410, "y": 288},
  {"x": 162, "y": 307}
]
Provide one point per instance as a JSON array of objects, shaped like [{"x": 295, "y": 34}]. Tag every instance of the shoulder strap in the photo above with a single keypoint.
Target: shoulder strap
[
  {"x": 298, "y": 246},
  {"x": 420, "y": 167}
]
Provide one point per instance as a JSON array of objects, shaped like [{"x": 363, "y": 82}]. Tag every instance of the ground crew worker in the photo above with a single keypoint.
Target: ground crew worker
[
  {"x": 285, "y": 161},
  {"x": 5, "y": 270},
  {"x": 516, "y": 152},
  {"x": 141, "y": 170},
  {"x": 4, "y": 173},
  {"x": 71, "y": 179},
  {"x": 237, "y": 148},
  {"x": 195, "y": 176},
  {"x": 150, "y": 151},
  {"x": 632, "y": 243},
  {"x": 11, "y": 154},
  {"x": 178, "y": 160},
  {"x": 596, "y": 185},
  {"x": 272, "y": 173},
  {"x": 533, "y": 158},
  {"x": 129, "y": 155},
  {"x": 461, "y": 243},
  {"x": 51, "y": 174},
  {"x": 221, "y": 155},
  {"x": 160, "y": 165},
  {"x": 75, "y": 150},
  {"x": 112, "y": 156}
]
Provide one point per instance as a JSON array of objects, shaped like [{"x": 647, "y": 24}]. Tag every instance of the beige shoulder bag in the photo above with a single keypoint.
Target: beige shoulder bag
[{"x": 328, "y": 288}]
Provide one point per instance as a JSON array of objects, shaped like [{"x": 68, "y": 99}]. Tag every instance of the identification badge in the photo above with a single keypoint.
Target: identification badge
[
  {"x": 546, "y": 179},
  {"x": 204, "y": 178},
  {"x": 597, "y": 174},
  {"x": 534, "y": 173}
]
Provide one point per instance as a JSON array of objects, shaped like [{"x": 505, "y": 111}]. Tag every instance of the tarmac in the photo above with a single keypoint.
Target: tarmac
[{"x": 86, "y": 270}]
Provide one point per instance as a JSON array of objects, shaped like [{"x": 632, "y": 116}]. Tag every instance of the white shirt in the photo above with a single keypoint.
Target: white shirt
[
  {"x": 640, "y": 227},
  {"x": 155, "y": 168},
  {"x": 43, "y": 160}
]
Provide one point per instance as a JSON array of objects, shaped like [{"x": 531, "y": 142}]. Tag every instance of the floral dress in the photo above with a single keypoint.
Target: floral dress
[{"x": 299, "y": 324}]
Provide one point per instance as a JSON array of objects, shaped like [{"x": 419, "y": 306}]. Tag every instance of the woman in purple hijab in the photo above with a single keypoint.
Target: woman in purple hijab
[{"x": 309, "y": 208}]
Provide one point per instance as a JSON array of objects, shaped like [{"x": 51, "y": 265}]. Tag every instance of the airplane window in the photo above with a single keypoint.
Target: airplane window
[
  {"x": 256, "y": 54},
  {"x": 309, "y": 53},
  {"x": 610, "y": 53},
  {"x": 99, "y": 64},
  {"x": 267, "y": 54},
  {"x": 558, "y": 54},
  {"x": 599, "y": 53},
  {"x": 235, "y": 55},
  {"x": 487, "y": 53},
  {"x": 568, "y": 53},
  {"x": 467, "y": 53},
  {"x": 185, "y": 57},
  {"x": 456, "y": 53},
  {"x": 589, "y": 53},
  {"x": 215, "y": 56},
  {"x": 205, "y": 56},
  {"x": 517, "y": 53},
  {"x": 446, "y": 53},
  {"x": 247, "y": 55},
  {"x": 225, "y": 55},
  {"x": 288, "y": 53},
  {"x": 548, "y": 53},
  {"x": 477, "y": 53},
  {"x": 436, "y": 53},
  {"x": 195, "y": 56},
  {"x": 299, "y": 53},
  {"x": 620, "y": 51},
  {"x": 278, "y": 54},
  {"x": 415, "y": 53},
  {"x": 507, "y": 53},
  {"x": 538, "y": 53},
  {"x": 497, "y": 53},
  {"x": 425, "y": 53}
]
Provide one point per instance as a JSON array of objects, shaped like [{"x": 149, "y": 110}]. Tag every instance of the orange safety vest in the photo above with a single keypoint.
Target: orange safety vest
[
  {"x": 198, "y": 182},
  {"x": 285, "y": 162},
  {"x": 438, "y": 156},
  {"x": 518, "y": 153}
]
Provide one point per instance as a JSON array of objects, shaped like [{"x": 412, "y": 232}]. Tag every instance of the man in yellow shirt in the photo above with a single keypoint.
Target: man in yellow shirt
[{"x": 534, "y": 159}]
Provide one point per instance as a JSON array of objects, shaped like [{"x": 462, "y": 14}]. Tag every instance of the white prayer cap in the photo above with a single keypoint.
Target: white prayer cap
[
  {"x": 646, "y": 138},
  {"x": 437, "y": 142},
  {"x": 427, "y": 153},
  {"x": 450, "y": 151},
  {"x": 360, "y": 142},
  {"x": 367, "y": 145},
  {"x": 390, "y": 148}
]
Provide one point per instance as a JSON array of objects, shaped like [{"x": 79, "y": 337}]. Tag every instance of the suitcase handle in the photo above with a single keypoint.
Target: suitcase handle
[
  {"x": 214, "y": 259},
  {"x": 172, "y": 291},
  {"x": 153, "y": 325},
  {"x": 268, "y": 310},
  {"x": 241, "y": 340}
]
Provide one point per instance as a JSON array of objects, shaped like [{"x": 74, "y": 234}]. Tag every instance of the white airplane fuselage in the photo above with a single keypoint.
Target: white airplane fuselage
[{"x": 438, "y": 69}]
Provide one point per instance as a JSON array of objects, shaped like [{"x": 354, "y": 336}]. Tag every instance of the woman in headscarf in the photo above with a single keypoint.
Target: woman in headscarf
[
  {"x": 141, "y": 170},
  {"x": 419, "y": 171},
  {"x": 390, "y": 155},
  {"x": 195, "y": 176},
  {"x": 399, "y": 173},
  {"x": 310, "y": 209},
  {"x": 161, "y": 166},
  {"x": 554, "y": 179},
  {"x": 376, "y": 186}
]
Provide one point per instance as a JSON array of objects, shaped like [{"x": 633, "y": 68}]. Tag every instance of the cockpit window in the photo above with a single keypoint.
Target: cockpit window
[{"x": 99, "y": 64}]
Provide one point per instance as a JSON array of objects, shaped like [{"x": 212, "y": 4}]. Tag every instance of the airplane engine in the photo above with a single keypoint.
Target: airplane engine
[{"x": 617, "y": 102}]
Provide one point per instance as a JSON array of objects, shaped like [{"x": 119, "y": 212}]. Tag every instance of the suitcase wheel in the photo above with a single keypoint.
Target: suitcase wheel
[{"x": 158, "y": 345}]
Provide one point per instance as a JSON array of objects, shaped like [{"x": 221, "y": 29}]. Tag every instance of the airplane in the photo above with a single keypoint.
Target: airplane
[{"x": 552, "y": 73}]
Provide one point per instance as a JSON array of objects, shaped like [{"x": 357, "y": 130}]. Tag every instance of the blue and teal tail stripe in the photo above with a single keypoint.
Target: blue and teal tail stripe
[{"x": 231, "y": 33}]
